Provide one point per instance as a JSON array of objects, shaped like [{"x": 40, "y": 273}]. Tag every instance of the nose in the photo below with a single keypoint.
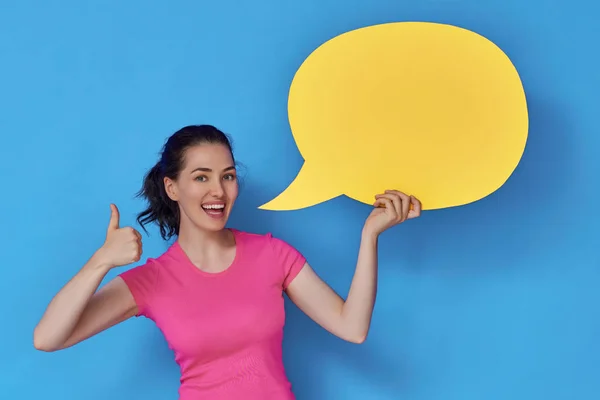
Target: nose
[{"x": 216, "y": 188}]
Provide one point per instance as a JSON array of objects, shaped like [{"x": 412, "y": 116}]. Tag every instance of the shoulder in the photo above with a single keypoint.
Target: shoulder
[
  {"x": 143, "y": 277},
  {"x": 262, "y": 241},
  {"x": 268, "y": 249},
  {"x": 151, "y": 271},
  {"x": 141, "y": 281}
]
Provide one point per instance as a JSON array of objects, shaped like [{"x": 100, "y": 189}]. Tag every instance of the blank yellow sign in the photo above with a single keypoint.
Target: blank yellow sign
[{"x": 429, "y": 109}]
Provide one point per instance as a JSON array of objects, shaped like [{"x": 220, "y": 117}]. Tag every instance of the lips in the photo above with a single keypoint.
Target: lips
[{"x": 214, "y": 210}]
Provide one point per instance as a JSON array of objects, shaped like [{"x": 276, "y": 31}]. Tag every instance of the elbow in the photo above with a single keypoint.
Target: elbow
[
  {"x": 41, "y": 346},
  {"x": 39, "y": 343},
  {"x": 354, "y": 334},
  {"x": 357, "y": 339}
]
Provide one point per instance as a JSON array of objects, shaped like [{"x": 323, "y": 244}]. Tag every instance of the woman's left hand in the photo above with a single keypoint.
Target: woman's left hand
[{"x": 391, "y": 208}]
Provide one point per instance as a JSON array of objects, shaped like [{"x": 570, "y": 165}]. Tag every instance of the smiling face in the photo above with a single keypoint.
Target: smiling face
[{"x": 206, "y": 187}]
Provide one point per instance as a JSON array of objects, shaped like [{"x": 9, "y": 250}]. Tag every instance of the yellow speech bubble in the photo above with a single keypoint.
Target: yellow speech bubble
[{"x": 430, "y": 109}]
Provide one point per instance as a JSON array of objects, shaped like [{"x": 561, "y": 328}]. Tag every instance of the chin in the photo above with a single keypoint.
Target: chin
[
  {"x": 213, "y": 227},
  {"x": 214, "y": 221}
]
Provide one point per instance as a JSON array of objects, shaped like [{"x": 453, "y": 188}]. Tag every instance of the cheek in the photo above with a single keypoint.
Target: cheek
[
  {"x": 232, "y": 190},
  {"x": 192, "y": 193}
]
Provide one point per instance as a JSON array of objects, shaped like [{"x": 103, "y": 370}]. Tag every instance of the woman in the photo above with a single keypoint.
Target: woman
[{"x": 216, "y": 293}]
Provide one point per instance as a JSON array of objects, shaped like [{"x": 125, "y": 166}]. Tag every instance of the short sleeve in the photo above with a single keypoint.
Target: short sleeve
[
  {"x": 141, "y": 281},
  {"x": 288, "y": 258}
]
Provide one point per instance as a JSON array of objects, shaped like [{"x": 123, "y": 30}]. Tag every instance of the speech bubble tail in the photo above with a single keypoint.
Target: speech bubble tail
[{"x": 309, "y": 188}]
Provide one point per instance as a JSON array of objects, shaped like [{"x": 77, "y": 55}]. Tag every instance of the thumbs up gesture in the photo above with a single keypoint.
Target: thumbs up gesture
[{"x": 122, "y": 245}]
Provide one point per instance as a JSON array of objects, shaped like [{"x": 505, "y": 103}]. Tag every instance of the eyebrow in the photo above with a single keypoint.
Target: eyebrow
[{"x": 203, "y": 169}]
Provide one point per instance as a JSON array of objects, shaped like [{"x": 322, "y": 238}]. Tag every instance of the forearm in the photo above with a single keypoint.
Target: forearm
[
  {"x": 65, "y": 309},
  {"x": 358, "y": 307}
]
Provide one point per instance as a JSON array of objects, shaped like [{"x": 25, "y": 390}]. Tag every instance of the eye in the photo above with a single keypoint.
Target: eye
[
  {"x": 201, "y": 178},
  {"x": 229, "y": 177}
]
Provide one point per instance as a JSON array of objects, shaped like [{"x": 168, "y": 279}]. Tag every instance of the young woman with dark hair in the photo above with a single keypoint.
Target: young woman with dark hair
[{"x": 216, "y": 293}]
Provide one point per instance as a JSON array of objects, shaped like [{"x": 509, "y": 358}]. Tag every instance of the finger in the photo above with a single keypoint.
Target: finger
[
  {"x": 113, "y": 224},
  {"x": 396, "y": 201},
  {"x": 407, "y": 204},
  {"x": 416, "y": 207},
  {"x": 403, "y": 196},
  {"x": 136, "y": 233},
  {"x": 388, "y": 204},
  {"x": 405, "y": 200}
]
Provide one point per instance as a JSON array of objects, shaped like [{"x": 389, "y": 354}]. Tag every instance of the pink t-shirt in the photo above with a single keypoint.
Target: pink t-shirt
[{"x": 226, "y": 328}]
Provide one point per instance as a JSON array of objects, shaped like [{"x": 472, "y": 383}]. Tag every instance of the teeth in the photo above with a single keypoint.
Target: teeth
[{"x": 214, "y": 206}]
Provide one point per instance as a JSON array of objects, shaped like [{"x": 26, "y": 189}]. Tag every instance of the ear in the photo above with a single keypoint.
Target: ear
[{"x": 171, "y": 189}]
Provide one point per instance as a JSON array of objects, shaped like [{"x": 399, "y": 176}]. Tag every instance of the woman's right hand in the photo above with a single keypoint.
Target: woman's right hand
[{"x": 122, "y": 245}]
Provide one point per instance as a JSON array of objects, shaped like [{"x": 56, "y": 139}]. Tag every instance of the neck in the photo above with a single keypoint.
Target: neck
[
  {"x": 211, "y": 251},
  {"x": 200, "y": 241}
]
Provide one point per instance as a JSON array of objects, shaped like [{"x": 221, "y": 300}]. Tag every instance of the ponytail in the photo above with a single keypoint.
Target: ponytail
[{"x": 161, "y": 209}]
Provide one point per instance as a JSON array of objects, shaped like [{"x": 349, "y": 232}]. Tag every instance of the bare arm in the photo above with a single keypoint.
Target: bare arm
[
  {"x": 79, "y": 310},
  {"x": 350, "y": 319}
]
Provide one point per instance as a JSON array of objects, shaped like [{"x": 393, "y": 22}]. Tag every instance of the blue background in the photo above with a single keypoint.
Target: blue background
[{"x": 495, "y": 300}]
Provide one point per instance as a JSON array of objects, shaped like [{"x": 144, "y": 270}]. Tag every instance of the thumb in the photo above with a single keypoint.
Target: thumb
[{"x": 113, "y": 224}]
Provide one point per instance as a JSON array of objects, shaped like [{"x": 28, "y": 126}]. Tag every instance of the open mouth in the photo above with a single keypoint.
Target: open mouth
[{"x": 214, "y": 210}]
